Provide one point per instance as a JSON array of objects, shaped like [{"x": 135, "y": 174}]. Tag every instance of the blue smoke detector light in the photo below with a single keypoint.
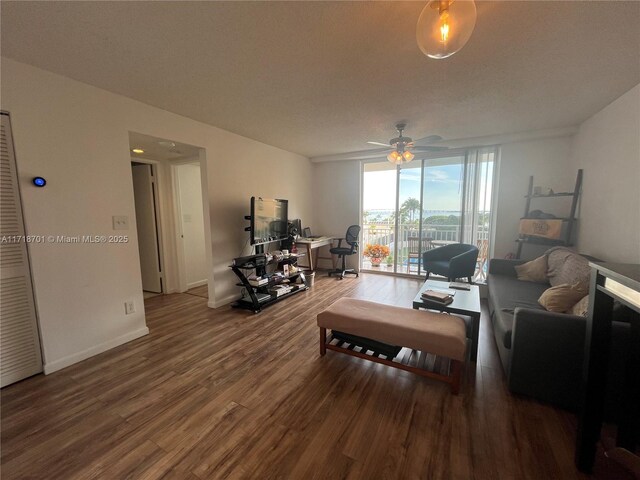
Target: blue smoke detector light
[{"x": 39, "y": 181}]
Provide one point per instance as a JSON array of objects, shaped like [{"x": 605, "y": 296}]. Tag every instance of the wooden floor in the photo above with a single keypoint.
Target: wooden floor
[
  {"x": 201, "y": 291},
  {"x": 229, "y": 394}
]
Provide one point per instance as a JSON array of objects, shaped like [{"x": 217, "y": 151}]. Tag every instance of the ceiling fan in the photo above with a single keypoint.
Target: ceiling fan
[{"x": 402, "y": 146}]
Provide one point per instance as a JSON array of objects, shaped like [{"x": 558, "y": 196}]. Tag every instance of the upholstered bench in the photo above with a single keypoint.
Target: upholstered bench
[{"x": 435, "y": 333}]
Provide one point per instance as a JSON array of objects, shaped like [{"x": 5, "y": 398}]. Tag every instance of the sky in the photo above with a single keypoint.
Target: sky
[{"x": 442, "y": 191}]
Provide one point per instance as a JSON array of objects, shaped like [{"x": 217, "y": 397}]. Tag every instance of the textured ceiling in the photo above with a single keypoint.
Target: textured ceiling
[{"x": 321, "y": 78}]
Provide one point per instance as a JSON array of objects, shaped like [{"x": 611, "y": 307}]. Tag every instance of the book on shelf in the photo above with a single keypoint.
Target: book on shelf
[
  {"x": 258, "y": 282},
  {"x": 460, "y": 286},
  {"x": 279, "y": 290},
  {"x": 437, "y": 297}
]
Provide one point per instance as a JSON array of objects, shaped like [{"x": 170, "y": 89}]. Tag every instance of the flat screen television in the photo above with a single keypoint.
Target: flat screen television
[{"x": 268, "y": 220}]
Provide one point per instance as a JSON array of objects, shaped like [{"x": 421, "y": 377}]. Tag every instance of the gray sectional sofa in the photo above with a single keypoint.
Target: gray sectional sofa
[{"x": 542, "y": 352}]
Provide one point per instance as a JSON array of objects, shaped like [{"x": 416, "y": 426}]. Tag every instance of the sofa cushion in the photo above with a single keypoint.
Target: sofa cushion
[
  {"x": 561, "y": 298},
  {"x": 507, "y": 293},
  {"x": 566, "y": 266},
  {"x": 533, "y": 271}
]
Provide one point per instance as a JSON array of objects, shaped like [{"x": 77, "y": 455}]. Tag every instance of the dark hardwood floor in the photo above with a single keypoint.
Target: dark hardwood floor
[{"x": 229, "y": 394}]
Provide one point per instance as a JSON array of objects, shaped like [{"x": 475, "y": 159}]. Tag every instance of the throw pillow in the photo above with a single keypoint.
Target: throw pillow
[
  {"x": 566, "y": 266},
  {"x": 581, "y": 308},
  {"x": 562, "y": 297},
  {"x": 533, "y": 271}
]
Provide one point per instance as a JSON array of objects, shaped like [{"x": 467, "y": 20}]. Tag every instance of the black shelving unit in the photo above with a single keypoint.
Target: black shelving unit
[
  {"x": 256, "y": 297},
  {"x": 570, "y": 220}
]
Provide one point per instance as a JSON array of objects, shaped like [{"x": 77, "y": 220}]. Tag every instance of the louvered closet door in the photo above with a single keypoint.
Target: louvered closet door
[{"x": 19, "y": 341}]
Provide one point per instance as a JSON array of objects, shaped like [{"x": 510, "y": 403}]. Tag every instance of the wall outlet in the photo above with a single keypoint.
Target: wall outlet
[
  {"x": 120, "y": 222},
  {"x": 129, "y": 308}
]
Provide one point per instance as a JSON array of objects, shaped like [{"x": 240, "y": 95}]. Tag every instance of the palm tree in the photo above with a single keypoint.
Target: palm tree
[{"x": 410, "y": 207}]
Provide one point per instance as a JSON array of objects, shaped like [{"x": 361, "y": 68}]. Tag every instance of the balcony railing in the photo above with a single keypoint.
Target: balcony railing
[{"x": 412, "y": 242}]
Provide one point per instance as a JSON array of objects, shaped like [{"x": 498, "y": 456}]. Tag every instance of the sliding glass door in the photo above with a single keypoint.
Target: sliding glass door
[
  {"x": 426, "y": 204},
  {"x": 442, "y": 193},
  {"x": 379, "y": 198}
]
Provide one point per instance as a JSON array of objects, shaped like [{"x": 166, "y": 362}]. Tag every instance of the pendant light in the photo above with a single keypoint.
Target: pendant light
[
  {"x": 444, "y": 27},
  {"x": 399, "y": 158}
]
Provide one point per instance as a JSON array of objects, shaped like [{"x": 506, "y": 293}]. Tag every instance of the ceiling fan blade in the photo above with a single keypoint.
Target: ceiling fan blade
[
  {"x": 429, "y": 139},
  {"x": 429, "y": 149},
  {"x": 382, "y": 144}
]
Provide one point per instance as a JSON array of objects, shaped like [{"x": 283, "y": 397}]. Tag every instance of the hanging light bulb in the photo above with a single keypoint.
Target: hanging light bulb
[{"x": 444, "y": 27}]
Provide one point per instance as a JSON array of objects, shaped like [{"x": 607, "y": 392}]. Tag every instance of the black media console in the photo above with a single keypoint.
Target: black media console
[{"x": 258, "y": 296}]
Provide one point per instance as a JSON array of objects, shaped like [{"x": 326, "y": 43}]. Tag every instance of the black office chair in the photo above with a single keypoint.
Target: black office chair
[{"x": 351, "y": 238}]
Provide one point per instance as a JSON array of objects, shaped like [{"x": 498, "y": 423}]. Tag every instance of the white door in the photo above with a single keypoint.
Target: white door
[
  {"x": 191, "y": 239},
  {"x": 144, "y": 190},
  {"x": 20, "y": 343}
]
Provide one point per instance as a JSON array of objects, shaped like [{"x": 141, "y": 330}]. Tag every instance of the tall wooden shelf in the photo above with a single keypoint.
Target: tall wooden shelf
[{"x": 570, "y": 220}]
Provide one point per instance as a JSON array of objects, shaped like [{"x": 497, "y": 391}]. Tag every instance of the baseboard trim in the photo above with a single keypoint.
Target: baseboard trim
[
  {"x": 221, "y": 303},
  {"x": 69, "y": 360},
  {"x": 199, "y": 283}
]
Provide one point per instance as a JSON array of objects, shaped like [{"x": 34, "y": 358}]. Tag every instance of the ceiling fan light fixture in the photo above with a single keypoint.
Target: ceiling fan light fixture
[
  {"x": 445, "y": 26},
  {"x": 394, "y": 157},
  {"x": 398, "y": 158}
]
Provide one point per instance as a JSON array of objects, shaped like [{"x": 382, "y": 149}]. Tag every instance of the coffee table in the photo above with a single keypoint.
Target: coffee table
[{"x": 465, "y": 302}]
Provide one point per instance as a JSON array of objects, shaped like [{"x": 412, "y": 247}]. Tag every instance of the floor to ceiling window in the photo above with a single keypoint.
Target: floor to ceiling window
[{"x": 426, "y": 204}]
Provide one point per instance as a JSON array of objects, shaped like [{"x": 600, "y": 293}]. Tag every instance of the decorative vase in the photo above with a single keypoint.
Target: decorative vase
[{"x": 375, "y": 261}]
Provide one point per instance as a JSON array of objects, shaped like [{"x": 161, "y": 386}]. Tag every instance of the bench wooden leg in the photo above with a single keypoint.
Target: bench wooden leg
[
  {"x": 323, "y": 341},
  {"x": 456, "y": 376}
]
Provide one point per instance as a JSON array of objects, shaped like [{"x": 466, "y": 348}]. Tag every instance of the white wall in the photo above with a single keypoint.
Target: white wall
[
  {"x": 607, "y": 147},
  {"x": 548, "y": 161},
  {"x": 192, "y": 224},
  {"x": 76, "y": 136},
  {"x": 336, "y": 187}
]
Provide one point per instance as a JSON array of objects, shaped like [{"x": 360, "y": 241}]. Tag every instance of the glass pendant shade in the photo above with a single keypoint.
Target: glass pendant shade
[
  {"x": 398, "y": 158},
  {"x": 395, "y": 157},
  {"x": 445, "y": 26}
]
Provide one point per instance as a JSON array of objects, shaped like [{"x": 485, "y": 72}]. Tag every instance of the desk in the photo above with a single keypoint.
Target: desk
[
  {"x": 625, "y": 288},
  {"x": 314, "y": 244}
]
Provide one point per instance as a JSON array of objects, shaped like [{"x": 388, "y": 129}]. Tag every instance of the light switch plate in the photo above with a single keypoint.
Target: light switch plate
[{"x": 120, "y": 222}]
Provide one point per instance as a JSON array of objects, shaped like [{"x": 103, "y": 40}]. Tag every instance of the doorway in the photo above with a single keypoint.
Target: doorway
[{"x": 171, "y": 192}]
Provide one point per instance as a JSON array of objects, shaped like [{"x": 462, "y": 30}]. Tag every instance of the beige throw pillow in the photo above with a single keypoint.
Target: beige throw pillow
[
  {"x": 581, "y": 308},
  {"x": 533, "y": 271},
  {"x": 566, "y": 266},
  {"x": 562, "y": 297}
]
